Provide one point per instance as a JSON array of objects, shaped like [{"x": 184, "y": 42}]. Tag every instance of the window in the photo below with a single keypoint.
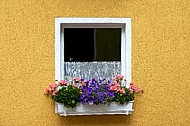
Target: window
[{"x": 88, "y": 39}]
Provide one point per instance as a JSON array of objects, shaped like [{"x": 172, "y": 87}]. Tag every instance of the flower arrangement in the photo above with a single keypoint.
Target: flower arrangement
[{"x": 92, "y": 91}]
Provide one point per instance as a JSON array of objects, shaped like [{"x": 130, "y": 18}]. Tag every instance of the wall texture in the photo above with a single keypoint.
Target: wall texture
[{"x": 160, "y": 60}]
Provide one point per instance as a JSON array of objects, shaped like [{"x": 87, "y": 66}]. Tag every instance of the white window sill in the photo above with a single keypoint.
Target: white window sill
[{"x": 112, "y": 109}]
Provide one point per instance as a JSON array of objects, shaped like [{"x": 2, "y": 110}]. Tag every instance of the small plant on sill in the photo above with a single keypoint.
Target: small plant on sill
[{"x": 92, "y": 91}]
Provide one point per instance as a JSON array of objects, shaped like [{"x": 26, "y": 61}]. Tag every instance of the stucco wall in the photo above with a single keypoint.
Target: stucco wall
[{"x": 160, "y": 60}]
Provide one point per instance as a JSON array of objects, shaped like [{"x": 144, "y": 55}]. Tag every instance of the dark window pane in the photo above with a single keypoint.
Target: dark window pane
[
  {"x": 78, "y": 44},
  {"x": 89, "y": 44}
]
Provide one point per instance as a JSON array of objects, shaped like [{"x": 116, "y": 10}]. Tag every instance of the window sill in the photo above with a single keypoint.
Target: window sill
[{"x": 112, "y": 109}]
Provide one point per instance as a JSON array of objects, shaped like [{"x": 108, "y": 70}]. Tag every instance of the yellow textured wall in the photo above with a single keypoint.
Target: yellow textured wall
[{"x": 160, "y": 60}]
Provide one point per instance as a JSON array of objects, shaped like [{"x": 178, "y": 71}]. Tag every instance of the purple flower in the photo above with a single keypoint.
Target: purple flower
[
  {"x": 89, "y": 90},
  {"x": 96, "y": 92},
  {"x": 90, "y": 102}
]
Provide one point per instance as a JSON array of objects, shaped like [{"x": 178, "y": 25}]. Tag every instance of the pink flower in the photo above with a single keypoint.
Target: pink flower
[
  {"x": 113, "y": 88},
  {"x": 80, "y": 84},
  {"x": 83, "y": 83},
  {"x": 134, "y": 88},
  {"x": 115, "y": 83},
  {"x": 131, "y": 83},
  {"x": 62, "y": 82},
  {"x": 55, "y": 92},
  {"x": 131, "y": 90},
  {"x": 49, "y": 89},
  {"x": 137, "y": 89},
  {"x": 53, "y": 86},
  {"x": 119, "y": 77},
  {"x": 74, "y": 85},
  {"x": 118, "y": 88},
  {"x": 76, "y": 79},
  {"x": 46, "y": 90},
  {"x": 122, "y": 90}
]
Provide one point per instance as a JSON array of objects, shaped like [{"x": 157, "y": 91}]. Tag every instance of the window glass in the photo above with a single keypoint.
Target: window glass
[{"x": 92, "y": 44}]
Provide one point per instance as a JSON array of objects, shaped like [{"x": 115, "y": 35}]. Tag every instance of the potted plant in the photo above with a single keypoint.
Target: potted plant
[{"x": 86, "y": 97}]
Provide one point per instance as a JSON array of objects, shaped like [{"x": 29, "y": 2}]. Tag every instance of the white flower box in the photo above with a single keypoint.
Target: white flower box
[{"x": 101, "y": 109}]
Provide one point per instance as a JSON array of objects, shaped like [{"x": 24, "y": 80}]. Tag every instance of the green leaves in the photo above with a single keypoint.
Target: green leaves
[
  {"x": 69, "y": 96},
  {"x": 124, "y": 98}
]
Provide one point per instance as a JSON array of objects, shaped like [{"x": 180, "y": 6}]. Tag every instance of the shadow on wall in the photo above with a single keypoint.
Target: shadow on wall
[{"x": 97, "y": 120}]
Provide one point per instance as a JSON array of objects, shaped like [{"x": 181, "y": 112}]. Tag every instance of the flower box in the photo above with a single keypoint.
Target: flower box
[
  {"x": 92, "y": 97},
  {"x": 101, "y": 109}
]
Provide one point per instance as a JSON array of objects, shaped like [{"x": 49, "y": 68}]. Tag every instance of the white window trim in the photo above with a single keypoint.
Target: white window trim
[{"x": 123, "y": 23}]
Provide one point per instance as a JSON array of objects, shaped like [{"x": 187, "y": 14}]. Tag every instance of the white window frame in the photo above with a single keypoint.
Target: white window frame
[{"x": 123, "y": 23}]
